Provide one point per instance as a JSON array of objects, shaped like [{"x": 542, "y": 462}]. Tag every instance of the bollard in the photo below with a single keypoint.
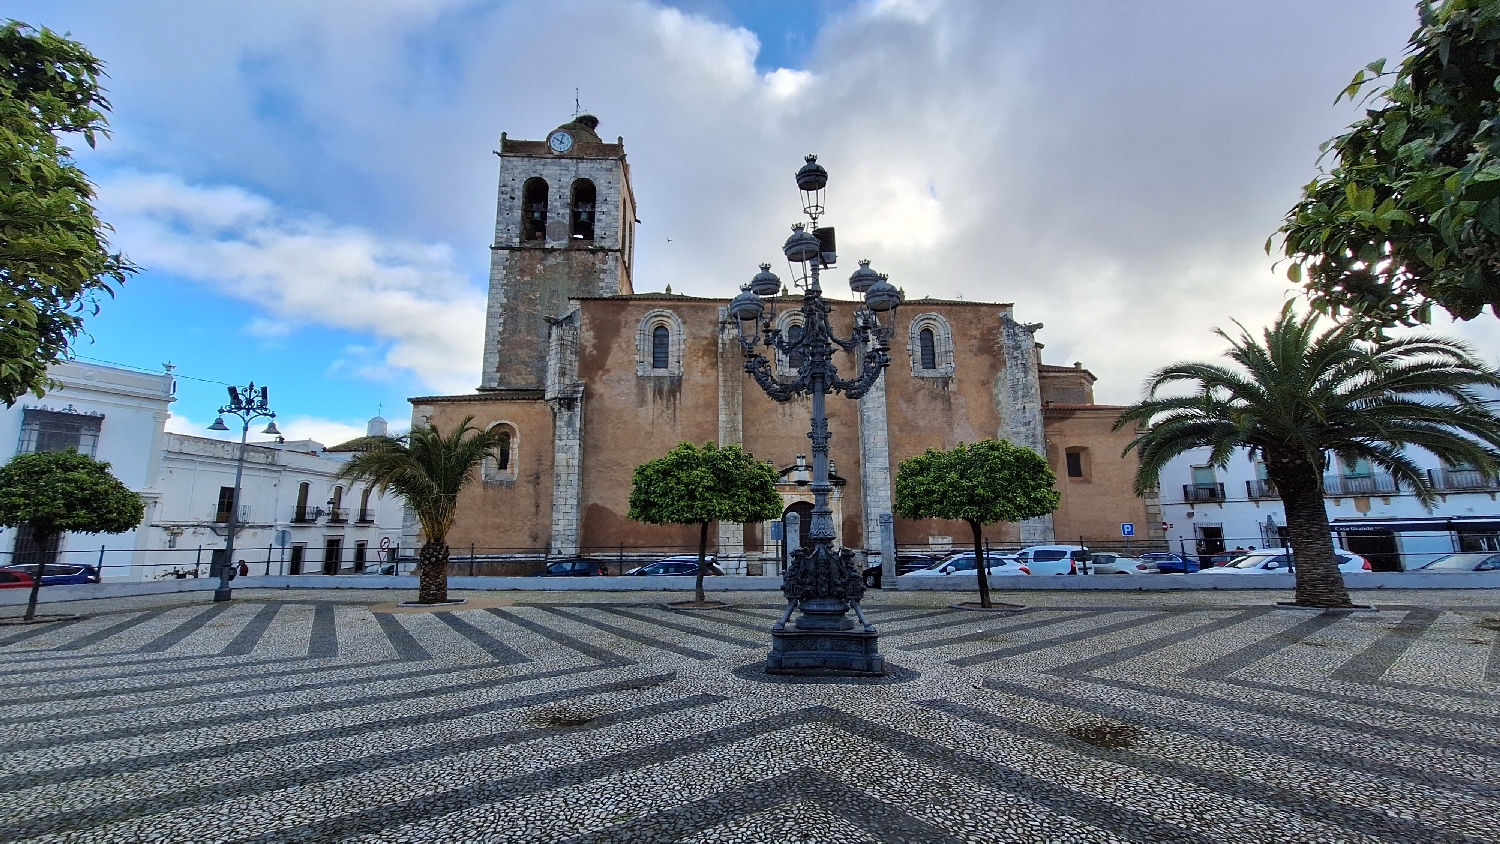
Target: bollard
[{"x": 226, "y": 574}]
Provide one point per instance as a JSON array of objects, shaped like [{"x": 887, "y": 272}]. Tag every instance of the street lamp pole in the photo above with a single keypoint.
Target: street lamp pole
[
  {"x": 821, "y": 581},
  {"x": 249, "y": 404}
]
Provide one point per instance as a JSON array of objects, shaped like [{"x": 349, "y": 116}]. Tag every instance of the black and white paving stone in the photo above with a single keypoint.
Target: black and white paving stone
[{"x": 599, "y": 717}]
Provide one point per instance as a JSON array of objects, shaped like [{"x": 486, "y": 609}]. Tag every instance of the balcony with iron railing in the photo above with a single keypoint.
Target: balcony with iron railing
[
  {"x": 338, "y": 516},
  {"x": 1460, "y": 480},
  {"x": 1339, "y": 486},
  {"x": 305, "y": 515},
  {"x": 1260, "y": 489},
  {"x": 1202, "y": 492},
  {"x": 366, "y": 517}
]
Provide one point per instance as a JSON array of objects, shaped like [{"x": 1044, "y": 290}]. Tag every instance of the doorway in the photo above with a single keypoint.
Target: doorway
[
  {"x": 803, "y": 509},
  {"x": 294, "y": 564},
  {"x": 1210, "y": 539},
  {"x": 333, "y": 553},
  {"x": 360, "y": 550},
  {"x": 1378, "y": 546}
]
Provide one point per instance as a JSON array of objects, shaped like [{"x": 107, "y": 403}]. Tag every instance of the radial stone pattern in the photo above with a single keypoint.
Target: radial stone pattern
[{"x": 303, "y": 716}]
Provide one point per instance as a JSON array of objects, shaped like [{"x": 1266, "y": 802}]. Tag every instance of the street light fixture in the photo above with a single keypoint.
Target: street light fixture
[
  {"x": 821, "y": 581},
  {"x": 248, "y": 403}
]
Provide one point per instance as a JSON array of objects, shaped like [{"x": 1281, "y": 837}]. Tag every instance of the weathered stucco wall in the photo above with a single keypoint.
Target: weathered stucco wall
[
  {"x": 938, "y": 411},
  {"x": 629, "y": 418},
  {"x": 1095, "y": 505},
  {"x": 513, "y": 515}
]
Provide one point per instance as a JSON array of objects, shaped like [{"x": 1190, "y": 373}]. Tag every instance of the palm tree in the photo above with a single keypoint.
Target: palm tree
[
  {"x": 428, "y": 469},
  {"x": 1299, "y": 397}
]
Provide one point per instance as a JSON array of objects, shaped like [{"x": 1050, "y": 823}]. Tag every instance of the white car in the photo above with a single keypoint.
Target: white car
[
  {"x": 999, "y": 565},
  {"x": 1051, "y": 559},
  {"x": 1467, "y": 561},
  {"x": 1105, "y": 563},
  {"x": 1279, "y": 562}
]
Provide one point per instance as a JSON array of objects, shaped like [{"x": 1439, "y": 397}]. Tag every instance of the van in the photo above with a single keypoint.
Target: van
[{"x": 1052, "y": 559}]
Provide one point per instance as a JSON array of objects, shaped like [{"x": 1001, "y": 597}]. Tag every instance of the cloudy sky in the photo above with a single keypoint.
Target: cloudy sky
[{"x": 310, "y": 185}]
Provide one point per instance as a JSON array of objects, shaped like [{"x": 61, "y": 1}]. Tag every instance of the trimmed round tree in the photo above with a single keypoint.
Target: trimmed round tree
[
  {"x": 989, "y": 481},
  {"x": 64, "y": 492},
  {"x": 699, "y": 486}
]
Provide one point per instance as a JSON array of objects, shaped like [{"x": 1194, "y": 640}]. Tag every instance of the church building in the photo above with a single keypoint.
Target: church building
[{"x": 586, "y": 379}]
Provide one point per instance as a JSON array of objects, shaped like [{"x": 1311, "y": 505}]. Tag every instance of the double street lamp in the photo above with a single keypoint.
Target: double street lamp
[
  {"x": 248, "y": 403},
  {"x": 821, "y": 581}
]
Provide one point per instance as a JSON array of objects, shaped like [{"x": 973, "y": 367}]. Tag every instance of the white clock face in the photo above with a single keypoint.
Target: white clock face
[{"x": 560, "y": 141}]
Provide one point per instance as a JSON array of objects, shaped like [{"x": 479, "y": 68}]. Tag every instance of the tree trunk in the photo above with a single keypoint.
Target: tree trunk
[
  {"x": 432, "y": 573},
  {"x": 981, "y": 565},
  {"x": 40, "y": 540},
  {"x": 1299, "y": 482},
  {"x": 702, "y": 553}
]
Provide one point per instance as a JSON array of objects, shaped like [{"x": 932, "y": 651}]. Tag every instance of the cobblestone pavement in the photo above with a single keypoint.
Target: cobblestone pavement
[{"x": 305, "y": 716}]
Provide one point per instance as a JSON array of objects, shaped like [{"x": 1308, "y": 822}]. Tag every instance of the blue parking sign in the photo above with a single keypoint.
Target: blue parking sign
[{"x": 1127, "y": 529}]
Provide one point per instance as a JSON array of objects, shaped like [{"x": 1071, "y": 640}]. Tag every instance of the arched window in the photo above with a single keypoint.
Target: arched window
[
  {"x": 583, "y": 210},
  {"x": 795, "y": 357},
  {"x": 931, "y": 346},
  {"x": 789, "y": 323},
  {"x": 500, "y": 466},
  {"x": 661, "y": 342},
  {"x": 364, "y": 506},
  {"x": 336, "y": 505},
  {"x": 534, "y": 209}
]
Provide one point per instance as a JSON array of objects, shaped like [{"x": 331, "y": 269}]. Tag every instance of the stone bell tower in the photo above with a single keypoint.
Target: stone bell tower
[{"x": 564, "y": 227}]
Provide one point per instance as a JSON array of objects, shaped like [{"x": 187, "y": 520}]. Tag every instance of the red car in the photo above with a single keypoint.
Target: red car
[{"x": 11, "y": 579}]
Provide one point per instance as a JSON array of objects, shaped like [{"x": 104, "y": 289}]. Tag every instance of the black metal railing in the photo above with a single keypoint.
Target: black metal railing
[
  {"x": 1460, "y": 480},
  {"x": 303, "y": 515},
  {"x": 1202, "y": 492},
  {"x": 1260, "y": 489},
  {"x": 1344, "y": 485},
  {"x": 366, "y": 517},
  {"x": 338, "y": 516}
]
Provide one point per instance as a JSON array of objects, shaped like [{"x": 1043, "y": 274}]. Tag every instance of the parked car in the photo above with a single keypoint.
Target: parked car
[
  {"x": 10, "y": 579},
  {"x": 1211, "y": 560},
  {"x": 1164, "y": 562},
  {"x": 905, "y": 564},
  {"x": 59, "y": 574},
  {"x": 1052, "y": 559},
  {"x": 1279, "y": 561},
  {"x": 999, "y": 565},
  {"x": 683, "y": 565},
  {"x": 574, "y": 568},
  {"x": 1106, "y": 563},
  {"x": 1468, "y": 561}
]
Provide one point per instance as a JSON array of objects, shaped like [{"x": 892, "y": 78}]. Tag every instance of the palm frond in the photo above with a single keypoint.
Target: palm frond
[{"x": 425, "y": 467}]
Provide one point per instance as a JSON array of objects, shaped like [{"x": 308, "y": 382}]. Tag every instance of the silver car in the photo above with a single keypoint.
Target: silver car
[
  {"x": 1106, "y": 563},
  {"x": 1468, "y": 561}
]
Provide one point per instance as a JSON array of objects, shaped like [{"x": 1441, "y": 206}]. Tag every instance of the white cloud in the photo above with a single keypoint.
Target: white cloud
[
  {"x": 268, "y": 329},
  {"x": 1113, "y": 169},
  {"x": 326, "y": 431},
  {"x": 305, "y": 269}
]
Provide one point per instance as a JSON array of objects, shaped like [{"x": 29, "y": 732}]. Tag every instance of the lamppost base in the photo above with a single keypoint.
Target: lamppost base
[
  {"x": 223, "y": 593},
  {"x": 824, "y": 653}
]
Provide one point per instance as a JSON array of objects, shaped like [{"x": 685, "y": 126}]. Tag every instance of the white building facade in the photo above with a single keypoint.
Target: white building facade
[
  {"x": 1208, "y": 510},
  {"x": 108, "y": 413},
  {"x": 296, "y": 516}
]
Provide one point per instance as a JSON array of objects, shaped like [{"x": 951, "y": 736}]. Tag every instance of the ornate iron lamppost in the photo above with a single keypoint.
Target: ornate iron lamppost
[
  {"x": 822, "y": 581},
  {"x": 248, "y": 404}
]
